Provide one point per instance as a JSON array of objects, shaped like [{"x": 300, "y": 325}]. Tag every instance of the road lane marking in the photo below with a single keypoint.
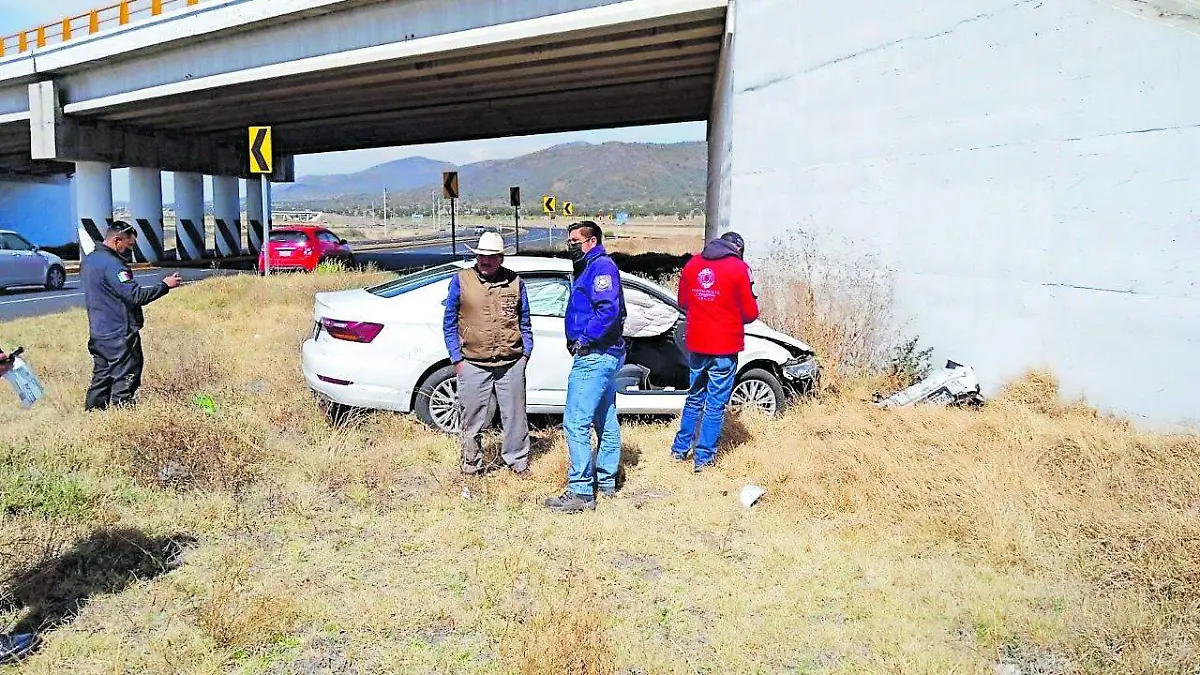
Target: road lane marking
[{"x": 48, "y": 297}]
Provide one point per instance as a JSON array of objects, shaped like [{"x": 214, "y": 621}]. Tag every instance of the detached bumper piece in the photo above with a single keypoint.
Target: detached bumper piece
[{"x": 956, "y": 385}]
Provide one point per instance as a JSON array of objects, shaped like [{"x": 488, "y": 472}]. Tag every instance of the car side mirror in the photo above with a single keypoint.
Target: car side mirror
[
  {"x": 36, "y": 248},
  {"x": 343, "y": 242}
]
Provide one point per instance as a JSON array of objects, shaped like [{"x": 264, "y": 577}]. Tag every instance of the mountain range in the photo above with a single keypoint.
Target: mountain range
[{"x": 632, "y": 176}]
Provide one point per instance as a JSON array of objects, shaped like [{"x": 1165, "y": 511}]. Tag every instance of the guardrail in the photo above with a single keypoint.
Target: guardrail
[{"x": 89, "y": 23}]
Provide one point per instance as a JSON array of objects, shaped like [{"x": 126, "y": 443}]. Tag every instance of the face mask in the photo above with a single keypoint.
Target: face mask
[{"x": 575, "y": 250}]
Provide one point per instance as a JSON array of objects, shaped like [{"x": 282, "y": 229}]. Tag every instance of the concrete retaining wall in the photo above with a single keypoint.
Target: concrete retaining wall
[{"x": 1026, "y": 173}]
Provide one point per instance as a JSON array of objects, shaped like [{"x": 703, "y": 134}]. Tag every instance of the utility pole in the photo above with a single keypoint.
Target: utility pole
[{"x": 385, "y": 214}]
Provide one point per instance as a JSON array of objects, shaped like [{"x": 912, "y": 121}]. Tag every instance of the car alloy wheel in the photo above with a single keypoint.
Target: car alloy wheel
[
  {"x": 443, "y": 406},
  {"x": 55, "y": 278},
  {"x": 755, "y": 393}
]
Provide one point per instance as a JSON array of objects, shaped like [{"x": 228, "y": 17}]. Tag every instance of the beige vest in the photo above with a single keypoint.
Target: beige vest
[{"x": 489, "y": 317}]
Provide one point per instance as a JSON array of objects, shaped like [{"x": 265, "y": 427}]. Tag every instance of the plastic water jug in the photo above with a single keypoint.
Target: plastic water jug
[{"x": 25, "y": 383}]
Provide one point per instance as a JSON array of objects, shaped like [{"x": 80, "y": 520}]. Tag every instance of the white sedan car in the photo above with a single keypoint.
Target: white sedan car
[{"x": 382, "y": 348}]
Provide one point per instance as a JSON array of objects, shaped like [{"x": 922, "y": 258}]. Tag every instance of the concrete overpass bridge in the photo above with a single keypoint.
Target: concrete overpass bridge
[{"x": 1021, "y": 174}]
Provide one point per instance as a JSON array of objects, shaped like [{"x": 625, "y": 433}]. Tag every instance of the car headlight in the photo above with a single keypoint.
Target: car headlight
[{"x": 801, "y": 368}]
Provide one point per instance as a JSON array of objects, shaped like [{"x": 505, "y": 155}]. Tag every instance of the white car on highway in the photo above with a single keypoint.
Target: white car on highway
[
  {"x": 23, "y": 264},
  {"x": 382, "y": 348}
]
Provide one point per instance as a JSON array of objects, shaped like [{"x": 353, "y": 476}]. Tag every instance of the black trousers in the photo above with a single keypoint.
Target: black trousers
[{"x": 116, "y": 371}]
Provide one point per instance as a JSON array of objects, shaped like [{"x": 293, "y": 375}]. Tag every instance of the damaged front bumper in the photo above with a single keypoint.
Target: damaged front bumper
[{"x": 802, "y": 372}]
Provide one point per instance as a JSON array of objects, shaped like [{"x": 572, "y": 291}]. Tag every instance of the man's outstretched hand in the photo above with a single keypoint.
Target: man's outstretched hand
[{"x": 173, "y": 281}]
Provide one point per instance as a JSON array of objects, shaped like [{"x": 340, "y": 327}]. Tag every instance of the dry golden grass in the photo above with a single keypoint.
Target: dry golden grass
[
  {"x": 843, "y": 311},
  {"x": 926, "y": 540},
  {"x": 658, "y": 242}
]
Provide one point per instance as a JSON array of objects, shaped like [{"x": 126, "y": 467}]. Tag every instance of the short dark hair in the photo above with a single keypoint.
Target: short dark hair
[
  {"x": 120, "y": 228},
  {"x": 590, "y": 228}
]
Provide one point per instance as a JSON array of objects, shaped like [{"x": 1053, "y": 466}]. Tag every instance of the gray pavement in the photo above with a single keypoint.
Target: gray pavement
[{"x": 16, "y": 302}]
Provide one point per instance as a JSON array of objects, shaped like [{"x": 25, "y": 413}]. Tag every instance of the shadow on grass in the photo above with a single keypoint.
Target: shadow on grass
[
  {"x": 734, "y": 433},
  {"x": 52, "y": 592}
]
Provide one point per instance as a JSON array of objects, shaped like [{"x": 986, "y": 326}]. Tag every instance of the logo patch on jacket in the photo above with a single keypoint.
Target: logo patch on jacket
[
  {"x": 124, "y": 276},
  {"x": 602, "y": 283},
  {"x": 707, "y": 277}
]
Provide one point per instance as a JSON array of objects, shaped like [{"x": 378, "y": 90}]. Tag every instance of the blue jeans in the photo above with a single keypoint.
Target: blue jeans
[
  {"x": 711, "y": 387},
  {"x": 592, "y": 400}
]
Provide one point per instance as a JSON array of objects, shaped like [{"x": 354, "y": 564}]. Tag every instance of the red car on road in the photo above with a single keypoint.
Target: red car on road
[{"x": 303, "y": 247}]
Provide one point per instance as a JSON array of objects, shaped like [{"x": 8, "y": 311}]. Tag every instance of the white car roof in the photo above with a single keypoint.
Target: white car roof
[{"x": 531, "y": 263}]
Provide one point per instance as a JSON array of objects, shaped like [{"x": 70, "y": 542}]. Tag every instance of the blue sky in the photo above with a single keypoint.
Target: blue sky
[{"x": 17, "y": 15}]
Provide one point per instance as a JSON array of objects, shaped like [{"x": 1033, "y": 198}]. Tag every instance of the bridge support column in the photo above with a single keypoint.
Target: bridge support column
[
  {"x": 146, "y": 202},
  {"x": 189, "y": 215},
  {"x": 254, "y": 215},
  {"x": 93, "y": 203},
  {"x": 228, "y": 210}
]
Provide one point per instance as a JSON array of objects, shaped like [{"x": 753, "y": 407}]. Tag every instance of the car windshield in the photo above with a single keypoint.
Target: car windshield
[
  {"x": 411, "y": 282},
  {"x": 289, "y": 237}
]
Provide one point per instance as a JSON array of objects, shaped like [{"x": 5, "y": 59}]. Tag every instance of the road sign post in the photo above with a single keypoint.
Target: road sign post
[
  {"x": 268, "y": 217},
  {"x": 514, "y": 200},
  {"x": 262, "y": 160},
  {"x": 549, "y": 206},
  {"x": 450, "y": 191}
]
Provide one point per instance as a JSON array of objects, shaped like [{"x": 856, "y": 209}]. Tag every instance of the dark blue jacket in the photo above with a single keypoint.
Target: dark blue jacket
[
  {"x": 113, "y": 297},
  {"x": 596, "y": 311}
]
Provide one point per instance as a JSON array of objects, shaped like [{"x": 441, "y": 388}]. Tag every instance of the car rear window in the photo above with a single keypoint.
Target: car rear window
[
  {"x": 411, "y": 282},
  {"x": 289, "y": 237}
]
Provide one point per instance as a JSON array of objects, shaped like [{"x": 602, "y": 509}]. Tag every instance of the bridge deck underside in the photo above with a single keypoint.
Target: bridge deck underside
[
  {"x": 654, "y": 71},
  {"x": 14, "y": 154}
]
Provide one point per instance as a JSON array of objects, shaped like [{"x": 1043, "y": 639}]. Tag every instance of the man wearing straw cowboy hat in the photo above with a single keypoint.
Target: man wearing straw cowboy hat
[{"x": 489, "y": 336}]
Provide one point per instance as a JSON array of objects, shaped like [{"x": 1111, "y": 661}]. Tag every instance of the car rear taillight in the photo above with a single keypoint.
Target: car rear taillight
[{"x": 353, "y": 331}]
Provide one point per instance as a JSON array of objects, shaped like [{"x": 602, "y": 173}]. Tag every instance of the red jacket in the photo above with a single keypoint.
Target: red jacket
[{"x": 715, "y": 292}]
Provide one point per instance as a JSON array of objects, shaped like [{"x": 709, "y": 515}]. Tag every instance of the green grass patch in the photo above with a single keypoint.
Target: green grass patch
[{"x": 45, "y": 495}]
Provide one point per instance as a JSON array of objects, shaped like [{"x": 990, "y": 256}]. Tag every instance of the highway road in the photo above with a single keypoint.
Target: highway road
[{"x": 17, "y": 303}]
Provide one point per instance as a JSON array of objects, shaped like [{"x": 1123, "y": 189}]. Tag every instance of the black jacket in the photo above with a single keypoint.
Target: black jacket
[{"x": 113, "y": 297}]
